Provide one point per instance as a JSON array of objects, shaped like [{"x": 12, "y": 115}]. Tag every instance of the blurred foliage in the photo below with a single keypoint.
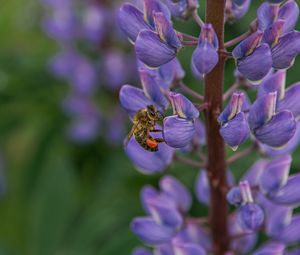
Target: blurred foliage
[{"x": 62, "y": 198}]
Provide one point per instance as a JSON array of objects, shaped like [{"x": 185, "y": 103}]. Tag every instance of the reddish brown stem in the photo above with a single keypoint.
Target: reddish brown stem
[{"x": 216, "y": 164}]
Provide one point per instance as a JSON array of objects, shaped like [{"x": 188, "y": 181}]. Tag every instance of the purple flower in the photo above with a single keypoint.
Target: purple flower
[
  {"x": 94, "y": 23},
  {"x": 149, "y": 162},
  {"x": 265, "y": 122},
  {"x": 134, "y": 99},
  {"x": 205, "y": 57},
  {"x": 288, "y": 194},
  {"x": 177, "y": 192},
  {"x": 276, "y": 23},
  {"x": 179, "y": 129},
  {"x": 167, "y": 74},
  {"x": 235, "y": 129},
  {"x": 160, "y": 47},
  {"x": 165, "y": 209},
  {"x": 182, "y": 8},
  {"x": 236, "y": 9},
  {"x": 61, "y": 24},
  {"x": 275, "y": 174},
  {"x": 250, "y": 215},
  {"x": 77, "y": 69},
  {"x": 150, "y": 232},
  {"x": 254, "y": 60},
  {"x": 247, "y": 239}
]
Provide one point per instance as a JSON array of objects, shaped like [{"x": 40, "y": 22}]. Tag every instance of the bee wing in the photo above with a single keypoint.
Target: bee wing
[{"x": 130, "y": 135}]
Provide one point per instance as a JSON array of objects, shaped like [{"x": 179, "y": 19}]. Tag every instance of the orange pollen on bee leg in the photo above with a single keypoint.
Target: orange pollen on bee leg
[{"x": 152, "y": 143}]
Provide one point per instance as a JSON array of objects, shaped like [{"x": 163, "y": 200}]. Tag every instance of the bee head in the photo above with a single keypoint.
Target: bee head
[{"x": 152, "y": 112}]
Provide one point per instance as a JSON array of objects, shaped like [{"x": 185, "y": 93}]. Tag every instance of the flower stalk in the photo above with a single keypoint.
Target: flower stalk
[{"x": 216, "y": 164}]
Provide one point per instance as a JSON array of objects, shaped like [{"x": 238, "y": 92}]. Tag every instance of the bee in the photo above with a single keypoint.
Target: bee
[{"x": 144, "y": 123}]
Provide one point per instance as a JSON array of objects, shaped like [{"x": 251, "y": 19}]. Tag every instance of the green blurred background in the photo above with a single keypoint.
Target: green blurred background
[{"x": 62, "y": 198}]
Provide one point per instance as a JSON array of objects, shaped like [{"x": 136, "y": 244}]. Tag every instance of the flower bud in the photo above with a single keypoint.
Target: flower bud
[
  {"x": 205, "y": 56},
  {"x": 251, "y": 216}
]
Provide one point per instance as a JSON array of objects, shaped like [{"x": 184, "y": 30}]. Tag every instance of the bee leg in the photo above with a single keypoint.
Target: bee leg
[
  {"x": 156, "y": 130},
  {"x": 159, "y": 140}
]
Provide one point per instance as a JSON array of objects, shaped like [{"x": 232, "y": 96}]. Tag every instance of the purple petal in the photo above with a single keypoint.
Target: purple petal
[
  {"x": 291, "y": 100},
  {"x": 273, "y": 82},
  {"x": 188, "y": 249},
  {"x": 131, "y": 21},
  {"x": 200, "y": 136},
  {"x": 253, "y": 174},
  {"x": 289, "y": 12},
  {"x": 236, "y": 9},
  {"x": 202, "y": 189},
  {"x": 150, "y": 232},
  {"x": 164, "y": 212},
  {"x": 246, "y": 242},
  {"x": 151, "y": 50},
  {"x": 149, "y": 162},
  {"x": 278, "y": 131},
  {"x": 171, "y": 72},
  {"x": 276, "y": 174},
  {"x": 257, "y": 65},
  {"x": 178, "y": 132},
  {"x": 164, "y": 249},
  {"x": 285, "y": 51},
  {"x": 153, "y": 6},
  {"x": 266, "y": 14},
  {"x": 152, "y": 89},
  {"x": 204, "y": 58},
  {"x": 271, "y": 248},
  {"x": 272, "y": 34},
  {"x": 183, "y": 107},
  {"x": 133, "y": 99},
  {"x": 235, "y": 131},
  {"x": 262, "y": 110},
  {"x": 177, "y": 191},
  {"x": 208, "y": 35},
  {"x": 247, "y": 46},
  {"x": 165, "y": 30},
  {"x": 166, "y": 74},
  {"x": 238, "y": 102},
  {"x": 234, "y": 196},
  {"x": 251, "y": 216},
  {"x": 179, "y": 9},
  {"x": 277, "y": 217},
  {"x": 291, "y": 233},
  {"x": 141, "y": 251},
  {"x": 148, "y": 193},
  {"x": 293, "y": 252},
  {"x": 286, "y": 149},
  {"x": 290, "y": 193},
  {"x": 194, "y": 233}
]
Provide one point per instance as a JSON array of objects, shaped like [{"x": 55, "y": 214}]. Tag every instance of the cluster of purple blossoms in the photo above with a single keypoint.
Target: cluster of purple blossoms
[
  {"x": 266, "y": 196},
  {"x": 90, "y": 65}
]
